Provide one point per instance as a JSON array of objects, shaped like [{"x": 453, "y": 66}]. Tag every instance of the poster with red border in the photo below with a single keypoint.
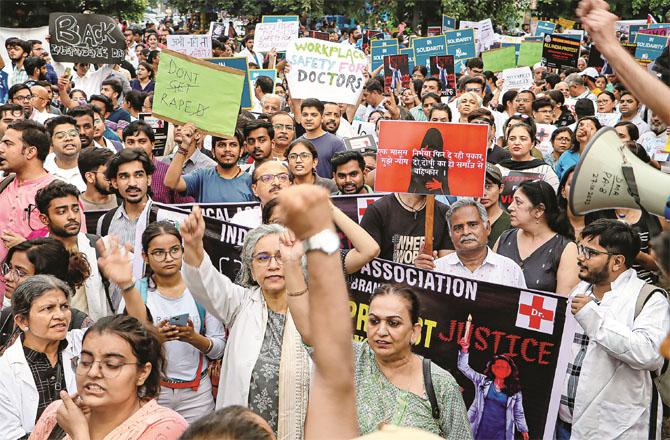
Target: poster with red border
[{"x": 431, "y": 158}]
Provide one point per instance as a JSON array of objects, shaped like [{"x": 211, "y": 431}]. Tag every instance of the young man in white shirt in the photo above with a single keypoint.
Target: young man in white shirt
[{"x": 65, "y": 146}]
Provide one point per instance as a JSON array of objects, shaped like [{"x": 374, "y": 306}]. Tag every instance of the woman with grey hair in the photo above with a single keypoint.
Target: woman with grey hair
[
  {"x": 39, "y": 364},
  {"x": 265, "y": 365}
]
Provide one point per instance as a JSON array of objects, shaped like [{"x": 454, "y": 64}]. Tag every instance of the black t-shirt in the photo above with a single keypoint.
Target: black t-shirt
[{"x": 400, "y": 233}]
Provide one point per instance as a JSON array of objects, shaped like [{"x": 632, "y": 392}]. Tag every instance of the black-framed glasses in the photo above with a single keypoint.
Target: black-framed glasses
[
  {"x": 161, "y": 254},
  {"x": 34, "y": 223},
  {"x": 588, "y": 252},
  {"x": 110, "y": 368},
  {"x": 16, "y": 272},
  {"x": 303, "y": 156}
]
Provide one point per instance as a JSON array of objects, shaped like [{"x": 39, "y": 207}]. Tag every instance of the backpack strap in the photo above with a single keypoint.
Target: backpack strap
[
  {"x": 430, "y": 390},
  {"x": 646, "y": 292},
  {"x": 6, "y": 181},
  {"x": 107, "y": 221}
]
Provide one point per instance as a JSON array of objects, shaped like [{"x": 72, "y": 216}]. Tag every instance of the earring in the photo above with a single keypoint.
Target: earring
[{"x": 25, "y": 329}]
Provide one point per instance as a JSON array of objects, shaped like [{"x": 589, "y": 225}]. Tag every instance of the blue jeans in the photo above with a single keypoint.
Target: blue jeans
[{"x": 563, "y": 430}]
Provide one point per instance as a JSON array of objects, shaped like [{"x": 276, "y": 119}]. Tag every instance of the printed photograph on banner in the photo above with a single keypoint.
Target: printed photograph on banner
[
  {"x": 482, "y": 333},
  {"x": 396, "y": 73},
  {"x": 432, "y": 31},
  {"x": 71, "y": 38},
  {"x": 366, "y": 143},
  {"x": 196, "y": 46},
  {"x": 431, "y": 158},
  {"x": 442, "y": 67}
]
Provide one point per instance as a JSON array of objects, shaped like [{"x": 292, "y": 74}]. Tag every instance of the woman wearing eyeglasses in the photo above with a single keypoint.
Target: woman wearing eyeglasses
[
  {"x": 39, "y": 256},
  {"x": 302, "y": 161},
  {"x": 191, "y": 335},
  {"x": 265, "y": 365},
  {"x": 118, "y": 374}
]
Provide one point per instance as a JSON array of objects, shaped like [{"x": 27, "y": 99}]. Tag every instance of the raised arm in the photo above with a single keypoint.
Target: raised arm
[
  {"x": 599, "y": 22},
  {"x": 173, "y": 176},
  {"x": 365, "y": 247},
  {"x": 296, "y": 286},
  {"x": 332, "y": 405}
]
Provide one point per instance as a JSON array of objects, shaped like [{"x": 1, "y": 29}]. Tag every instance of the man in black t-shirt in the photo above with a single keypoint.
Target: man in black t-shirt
[{"x": 397, "y": 223}]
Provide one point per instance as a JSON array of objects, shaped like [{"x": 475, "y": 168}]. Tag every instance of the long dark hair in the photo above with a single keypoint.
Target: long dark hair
[
  {"x": 540, "y": 192},
  {"x": 575, "y": 142},
  {"x": 563, "y": 202},
  {"x": 512, "y": 382},
  {"x": 152, "y": 231}
]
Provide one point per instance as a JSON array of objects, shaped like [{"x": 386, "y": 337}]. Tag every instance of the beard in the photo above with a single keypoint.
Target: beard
[
  {"x": 596, "y": 276},
  {"x": 226, "y": 166},
  {"x": 105, "y": 191},
  {"x": 62, "y": 232}
]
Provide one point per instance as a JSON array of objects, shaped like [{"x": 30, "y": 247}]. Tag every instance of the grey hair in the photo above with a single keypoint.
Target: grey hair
[
  {"x": 463, "y": 203},
  {"x": 244, "y": 276},
  {"x": 270, "y": 96},
  {"x": 33, "y": 288},
  {"x": 574, "y": 79}
]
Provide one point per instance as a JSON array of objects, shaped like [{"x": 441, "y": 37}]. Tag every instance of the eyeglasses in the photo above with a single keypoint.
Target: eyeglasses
[
  {"x": 588, "y": 252},
  {"x": 283, "y": 127},
  {"x": 263, "y": 258},
  {"x": 269, "y": 178},
  {"x": 109, "y": 367},
  {"x": 161, "y": 254},
  {"x": 22, "y": 98},
  {"x": 60, "y": 135},
  {"x": 16, "y": 272},
  {"x": 473, "y": 90},
  {"x": 303, "y": 156}
]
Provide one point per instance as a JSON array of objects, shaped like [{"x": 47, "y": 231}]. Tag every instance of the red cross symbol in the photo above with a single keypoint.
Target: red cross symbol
[
  {"x": 361, "y": 210},
  {"x": 536, "y": 313}
]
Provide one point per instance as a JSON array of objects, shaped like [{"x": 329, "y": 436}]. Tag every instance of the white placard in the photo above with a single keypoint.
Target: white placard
[
  {"x": 520, "y": 78},
  {"x": 277, "y": 35},
  {"x": 196, "y": 46},
  {"x": 326, "y": 71}
]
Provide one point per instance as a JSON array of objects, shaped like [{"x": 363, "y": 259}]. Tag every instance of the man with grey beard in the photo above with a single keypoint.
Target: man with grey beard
[
  {"x": 654, "y": 140},
  {"x": 469, "y": 229}
]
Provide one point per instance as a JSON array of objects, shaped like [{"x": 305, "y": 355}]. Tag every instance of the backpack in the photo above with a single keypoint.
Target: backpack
[{"x": 107, "y": 221}]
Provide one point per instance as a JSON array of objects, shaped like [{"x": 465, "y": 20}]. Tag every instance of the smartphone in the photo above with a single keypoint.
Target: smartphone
[
  {"x": 68, "y": 73},
  {"x": 179, "y": 320}
]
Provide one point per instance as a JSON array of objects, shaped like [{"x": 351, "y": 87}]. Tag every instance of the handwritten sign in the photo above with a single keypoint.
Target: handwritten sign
[
  {"x": 196, "y": 46},
  {"x": 520, "y": 78},
  {"x": 431, "y": 158},
  {"x": 184, "y": 88},
  {"x": 322, "y": 70},
  {"x": 85, "y": 38},
  {"x": 275, "y": 35}
]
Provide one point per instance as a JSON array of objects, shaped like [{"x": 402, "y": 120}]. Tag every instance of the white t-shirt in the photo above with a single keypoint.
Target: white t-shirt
[{"x": 71, "y": 175}]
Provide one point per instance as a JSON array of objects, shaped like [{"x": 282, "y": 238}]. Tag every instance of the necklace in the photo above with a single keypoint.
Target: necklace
[{"x": 410, "y": 208}]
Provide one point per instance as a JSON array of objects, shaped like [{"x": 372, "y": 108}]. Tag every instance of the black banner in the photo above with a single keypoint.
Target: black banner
[
  {"x": 85, "y": 38},
  {"x": 560, "y": 52},
  {"x": 523, "y": 327}
]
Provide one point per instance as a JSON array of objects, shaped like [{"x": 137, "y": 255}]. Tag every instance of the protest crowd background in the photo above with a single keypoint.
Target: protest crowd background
[{"x": 288, "y": 226}]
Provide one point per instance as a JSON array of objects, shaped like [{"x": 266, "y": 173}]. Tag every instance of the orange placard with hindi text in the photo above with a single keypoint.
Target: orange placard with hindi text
[{"x": 431, "y": 158}]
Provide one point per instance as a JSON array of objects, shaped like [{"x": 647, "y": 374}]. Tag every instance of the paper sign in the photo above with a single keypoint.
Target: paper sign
[
  {"x": 377, "y": 53},
  {"x": 461, "y": 44},
  {"x": 323, "y": 70},
  {"x": 276, "y": 35},
  {"x": 255, "y": 73},
  {"x": 366, "y": 142},
  {"x": 424, "y": 48},
  {"x": 410, "y": 58},
  {"x": 485, "y": 35},
  {"x": 544, "y": 28},
  {"x": 499, "y": 59},
  {"x": 365, "y": 128},
  {"x": 239, "y": 63},
  {"x": 278, "y": 18},
  {"x": 85, "y": 38},
  {"x": 520, "y": 78},
  {"x": 443, "y": 68},
  {"x": 649, "y": 47},
  {"x": 184, "y": 88},
  {"x": 196, "y": 46},
  {"x": 396, "y": 73},
  {"x": 448, "y": 23},
  {"x": 431, "y": 158},
  {"x": 560, "y": 52}
]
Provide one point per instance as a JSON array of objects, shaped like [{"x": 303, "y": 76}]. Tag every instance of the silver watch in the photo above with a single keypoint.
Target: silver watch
[{"x": 326, "y": 241}]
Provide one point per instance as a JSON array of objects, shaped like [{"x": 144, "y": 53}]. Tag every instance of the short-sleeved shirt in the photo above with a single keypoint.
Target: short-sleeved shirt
[
  {"x": 205, "y": 185},
  {"x": 161, "y": 193},
  {"x": 326, "y": 145}
]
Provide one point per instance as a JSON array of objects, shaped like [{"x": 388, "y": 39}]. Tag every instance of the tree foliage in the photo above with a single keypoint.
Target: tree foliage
[
  {"x": 626, "y": 9},
  {"x": 33, "y": 13}
]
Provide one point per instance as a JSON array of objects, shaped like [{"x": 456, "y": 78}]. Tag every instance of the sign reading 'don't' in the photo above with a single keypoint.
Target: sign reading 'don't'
[
  {"x": 184, "y": 88},
  {"x": 85, "y": 38}
]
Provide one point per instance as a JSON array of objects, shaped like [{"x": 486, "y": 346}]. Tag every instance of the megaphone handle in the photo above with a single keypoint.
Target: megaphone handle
[
  {"x": 666, "y": 212},
  {"x": 629, "y": 175}
]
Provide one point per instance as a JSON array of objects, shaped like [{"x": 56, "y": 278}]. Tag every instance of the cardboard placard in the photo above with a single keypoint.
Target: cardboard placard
[
  {"x": 160, "y": 128},
  {"x": 461, "y": 44},
  {"x": 85, "y": 38},
  {"x": 378, "y": 52},
  {"x": 424, "y": 48},
  {"x": 278, "y": 18},
  {"x": 499, "y": 59},
  {"x": 431, "y": 158},
  {"x": 560, "y": 52},
  {"x": 649, "y": 47},
  {"x": 544, "y": 28},
  {"x": 448, "y": 23},
  {"x": 196, "y": 46},
  {"x": 239, "y": 63},
  {"x": 520, "y": 78},
  {"x": 361, "y": 143},
  {"x": 443, "y": 66},
  {"x": 396, "y": 73},
  {"x": 184, "y": 93},
  {"x": 275, "y": 35},
  {"x": 322, "y": 70},
  {"x": 410, "y": 58}
]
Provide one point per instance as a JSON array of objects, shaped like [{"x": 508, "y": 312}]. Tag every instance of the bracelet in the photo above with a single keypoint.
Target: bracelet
[
  {"x": 302, "y": 292},
  {"x": 211, "y": 345},
  {"x": 129, "y": 286}
]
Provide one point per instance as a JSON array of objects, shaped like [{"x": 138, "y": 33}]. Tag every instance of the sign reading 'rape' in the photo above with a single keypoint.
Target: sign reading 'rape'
[
  {"x": 85, "y": 38},
  {"x": 321, "y": 69}
]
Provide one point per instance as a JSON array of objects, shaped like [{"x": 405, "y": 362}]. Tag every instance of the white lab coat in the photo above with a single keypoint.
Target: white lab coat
[
  {"x": 18, "y": 393},
  {"x": 614, "y": 391},
  {"x": 96, "y": 295}
]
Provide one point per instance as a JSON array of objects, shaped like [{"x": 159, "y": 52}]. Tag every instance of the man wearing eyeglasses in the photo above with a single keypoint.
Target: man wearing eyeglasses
[
  {"x": 268, "y": 179},
  {"x": 41, "y": 103},
  {"x": 20, "y": 94},
  {"x": 284, "y": 133},
  {"x": 608, "y": 391},
  {"x": 65, "y": 145}
]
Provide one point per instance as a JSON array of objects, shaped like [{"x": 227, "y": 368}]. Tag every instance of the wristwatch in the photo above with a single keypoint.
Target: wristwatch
[
  {"x": 326, "y": 241},
  {"x": 129, "y": 286}
]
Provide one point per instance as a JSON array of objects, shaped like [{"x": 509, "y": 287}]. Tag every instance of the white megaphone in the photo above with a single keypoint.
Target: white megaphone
[{"x": 609, "y": 175}]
